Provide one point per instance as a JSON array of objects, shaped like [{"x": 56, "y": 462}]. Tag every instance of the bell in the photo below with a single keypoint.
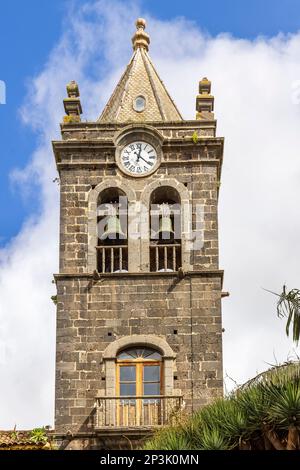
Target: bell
[
  {"x": 165, "y": 231},
  {"x": 113, "y": 228}
]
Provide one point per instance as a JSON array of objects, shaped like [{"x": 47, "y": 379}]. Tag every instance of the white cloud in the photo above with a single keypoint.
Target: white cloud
[{"x": 254, "y": 85}]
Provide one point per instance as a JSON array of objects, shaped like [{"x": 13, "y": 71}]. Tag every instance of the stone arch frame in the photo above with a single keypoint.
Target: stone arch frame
[
  {"x": 186, "y": 206},
  {"x": 92, "y": 217},
  {"x": 138, "y": 128},
  {"x": 155, "y": 342}
]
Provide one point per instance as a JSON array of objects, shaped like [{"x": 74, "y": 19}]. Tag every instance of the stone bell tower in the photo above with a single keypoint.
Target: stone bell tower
[{"x": 139, "y": 286}]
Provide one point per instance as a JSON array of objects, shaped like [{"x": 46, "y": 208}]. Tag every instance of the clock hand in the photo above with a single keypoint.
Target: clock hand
[
  {"x": 138, "y": 155},
  {"x": 148, "y": 163}
]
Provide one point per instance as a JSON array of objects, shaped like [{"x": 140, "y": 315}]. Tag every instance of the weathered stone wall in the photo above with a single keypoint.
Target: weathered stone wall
[
  {"x": 92, "y": 314},
  {"x": 179, "y": 129},
  {"x": 76, "y": 181}
]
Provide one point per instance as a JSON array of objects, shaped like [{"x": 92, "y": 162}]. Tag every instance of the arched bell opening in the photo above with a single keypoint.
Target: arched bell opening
[
  {"x": 165, "y": 230},
  {"x": 112, "y": 246}
]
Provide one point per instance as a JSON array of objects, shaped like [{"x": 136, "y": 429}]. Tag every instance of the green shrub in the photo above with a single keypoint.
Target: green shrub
[{"x": 262, "y": 414}]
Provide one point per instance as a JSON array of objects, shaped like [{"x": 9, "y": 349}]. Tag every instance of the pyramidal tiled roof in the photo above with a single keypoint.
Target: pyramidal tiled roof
[{"x": 140, "y": 79}]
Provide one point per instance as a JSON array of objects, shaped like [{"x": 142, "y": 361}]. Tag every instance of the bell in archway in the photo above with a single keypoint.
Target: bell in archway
[
  {"x": 113, "y": 229},
  {"x": 165, "y": 231}
]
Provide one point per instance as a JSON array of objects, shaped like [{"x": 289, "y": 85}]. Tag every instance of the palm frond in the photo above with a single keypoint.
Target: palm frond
[
  {"x": 284, "y": 408},
  {"x": 263, "y": 413},
  {"x": 212, "y": 439},
  {"x": 288, "y": 306},
  {"x": 171, "y": 438},
  {"x": 281, "y": 373},
  {"x": 253, "y": 403}
]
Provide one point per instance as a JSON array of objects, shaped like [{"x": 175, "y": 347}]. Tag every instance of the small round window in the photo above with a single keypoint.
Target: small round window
[{"x": 139, "y": 103}]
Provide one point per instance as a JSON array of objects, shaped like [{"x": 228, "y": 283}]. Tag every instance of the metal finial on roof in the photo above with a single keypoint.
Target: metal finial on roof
[{"x": 140, "y": 38}]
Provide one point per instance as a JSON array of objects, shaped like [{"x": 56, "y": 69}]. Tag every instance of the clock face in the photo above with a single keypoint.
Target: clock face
[{"x": 138, "y": 158}]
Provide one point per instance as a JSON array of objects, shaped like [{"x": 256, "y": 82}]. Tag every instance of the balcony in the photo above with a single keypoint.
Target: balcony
[{"x": 137, "y": 412}]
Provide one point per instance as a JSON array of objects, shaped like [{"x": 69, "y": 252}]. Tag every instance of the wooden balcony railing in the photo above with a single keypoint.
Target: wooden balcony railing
[
  {"x": 136, "y": 411},
  {"x": 165, "y": 257},
  {"x": 112, "y": 259}
]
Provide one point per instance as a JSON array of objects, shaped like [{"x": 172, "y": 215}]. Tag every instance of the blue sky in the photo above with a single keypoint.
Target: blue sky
[{"x": 26, "y": 38}]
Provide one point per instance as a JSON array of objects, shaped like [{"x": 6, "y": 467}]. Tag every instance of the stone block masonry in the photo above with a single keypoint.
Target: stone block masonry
[
  {"x": 103, "y": 309},
  {"x": 91, "y": 315}
]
